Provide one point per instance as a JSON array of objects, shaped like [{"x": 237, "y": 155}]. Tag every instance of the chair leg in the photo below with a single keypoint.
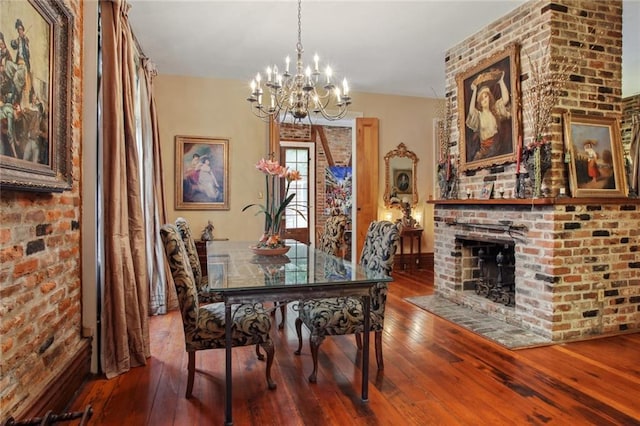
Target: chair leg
[
  {"x": 379, "y": 360},
  {"x": 191, "y": 371},
  {"x": 258, "y": 353},
  {"x": 283, "y": 308},
  {"x": 314, "y": 342},
  {"x": 270, "y": 350},
  {"x": 299, "y": 332},
  {"x": 359, "y": 341}
]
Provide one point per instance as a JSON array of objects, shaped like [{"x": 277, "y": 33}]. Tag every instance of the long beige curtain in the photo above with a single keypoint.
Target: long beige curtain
[
  {"x": 162, "y": 291},
  {"x": 125, "y": 327}
]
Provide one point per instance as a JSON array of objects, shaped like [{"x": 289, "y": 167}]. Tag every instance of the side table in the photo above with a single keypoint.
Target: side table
[{"x": 411, "y": 234}]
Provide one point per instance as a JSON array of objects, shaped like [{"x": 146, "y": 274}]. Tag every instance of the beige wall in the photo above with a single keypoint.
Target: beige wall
[{"x": 217, "y": 108}]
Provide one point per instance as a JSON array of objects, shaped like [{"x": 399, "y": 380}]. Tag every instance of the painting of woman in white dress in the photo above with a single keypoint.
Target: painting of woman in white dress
[{"x": 202, "y": 167}]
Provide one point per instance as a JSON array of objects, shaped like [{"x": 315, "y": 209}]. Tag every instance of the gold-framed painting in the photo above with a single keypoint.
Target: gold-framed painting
[
  {"x": 488, "y": 110},
  {"x": 201, "y": 173},
  {"x": 36, "y": 68},
  {"x": 596, "y": 165}
]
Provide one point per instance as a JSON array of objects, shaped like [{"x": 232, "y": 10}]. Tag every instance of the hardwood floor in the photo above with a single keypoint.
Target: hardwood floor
[{"x": 436, "y": 373}]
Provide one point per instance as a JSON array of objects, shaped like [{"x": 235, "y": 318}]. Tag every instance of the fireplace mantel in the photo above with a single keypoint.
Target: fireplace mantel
[{"x": 536, "y": 201}]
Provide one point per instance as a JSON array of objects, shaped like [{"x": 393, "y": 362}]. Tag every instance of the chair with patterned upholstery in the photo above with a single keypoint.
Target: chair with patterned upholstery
[
  {"x": 345, "y": 315},
  {"x": 204, "y": 325},
  {"x": 202, "y": 281},
  {"x": 332, "y": 238}
]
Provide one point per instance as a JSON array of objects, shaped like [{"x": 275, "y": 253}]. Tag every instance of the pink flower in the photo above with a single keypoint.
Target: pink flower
[{"x": 292, "y": 175}]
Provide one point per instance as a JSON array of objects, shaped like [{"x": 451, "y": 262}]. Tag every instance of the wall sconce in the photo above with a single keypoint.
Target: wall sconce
[{"x": 388, "y": 215}]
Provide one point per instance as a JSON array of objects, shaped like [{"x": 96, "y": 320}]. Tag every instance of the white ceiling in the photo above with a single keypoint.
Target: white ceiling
[{"x": 381, "y": 46}]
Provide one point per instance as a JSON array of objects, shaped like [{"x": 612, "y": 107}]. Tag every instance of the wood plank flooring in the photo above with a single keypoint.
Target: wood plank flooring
[{"x": 436, "y": 373}]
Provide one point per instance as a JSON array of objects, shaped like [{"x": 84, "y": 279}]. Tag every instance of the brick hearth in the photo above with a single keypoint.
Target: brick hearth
[{"x": 577, "y": 263}]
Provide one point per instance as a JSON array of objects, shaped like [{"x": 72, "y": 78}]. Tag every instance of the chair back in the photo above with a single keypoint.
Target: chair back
[
  {"x": 192, "y": 252},
  {"x": 178, "y": 261},
  {"x": 380, "y": 245},
  {"x": 332, "y": 237}
]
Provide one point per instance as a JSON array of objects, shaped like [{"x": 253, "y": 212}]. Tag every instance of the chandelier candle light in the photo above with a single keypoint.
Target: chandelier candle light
[{"x": 297, "y": 94}]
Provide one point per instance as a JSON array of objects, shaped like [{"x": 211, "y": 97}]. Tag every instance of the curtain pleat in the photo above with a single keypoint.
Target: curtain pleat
[
  {"x": 162, "y": 291},
  {"x": 125, "y": 329}
]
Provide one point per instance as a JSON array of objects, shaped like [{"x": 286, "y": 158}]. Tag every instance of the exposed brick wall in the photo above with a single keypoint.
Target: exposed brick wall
[
  {"x": 588, "y": 30},
  {"x": 578, "y": 272},
  {"x": 40, "y": 300},
  {"x": 577, "y": 267}
]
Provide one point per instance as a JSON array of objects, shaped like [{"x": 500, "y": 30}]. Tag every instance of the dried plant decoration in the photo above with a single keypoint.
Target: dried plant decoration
[{"x": 447, "y": 164}]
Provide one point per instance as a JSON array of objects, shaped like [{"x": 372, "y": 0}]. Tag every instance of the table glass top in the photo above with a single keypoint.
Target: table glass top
[{"x": 232, "y": 265}]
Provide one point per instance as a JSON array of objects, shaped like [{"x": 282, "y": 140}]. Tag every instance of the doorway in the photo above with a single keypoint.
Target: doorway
[{"x": 299, "y": 219}]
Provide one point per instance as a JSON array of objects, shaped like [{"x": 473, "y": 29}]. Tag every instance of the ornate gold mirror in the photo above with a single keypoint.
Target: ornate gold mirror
[{"x": 400, "y": 177}]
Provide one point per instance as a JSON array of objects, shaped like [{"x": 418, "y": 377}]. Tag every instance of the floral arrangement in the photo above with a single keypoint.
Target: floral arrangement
[
  {"x": 539, "y": 98},
  {"x": 273, "y": 209}
]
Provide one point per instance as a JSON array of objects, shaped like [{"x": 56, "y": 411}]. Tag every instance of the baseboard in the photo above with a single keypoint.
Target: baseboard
[{"x": 62, "y": 389}]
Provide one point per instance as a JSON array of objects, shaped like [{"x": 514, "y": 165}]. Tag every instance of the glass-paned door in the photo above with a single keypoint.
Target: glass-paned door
[{"x": 297, "y": 216}]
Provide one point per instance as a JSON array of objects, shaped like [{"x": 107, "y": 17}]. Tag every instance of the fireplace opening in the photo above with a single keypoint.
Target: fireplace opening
[{"x": 489, "y": 268}]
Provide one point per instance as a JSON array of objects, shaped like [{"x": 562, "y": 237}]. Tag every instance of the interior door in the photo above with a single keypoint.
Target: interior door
[
  {"x": 367, "y": 176},
  {"x": 297, "y": 218}
]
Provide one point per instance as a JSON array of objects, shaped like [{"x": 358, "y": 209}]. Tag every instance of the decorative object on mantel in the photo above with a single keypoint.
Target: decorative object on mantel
[
  {"x": 274, "y": 208},
  {"x": 539, "y": 97},
  {"x": 447, "y": 164},
  {"x": 536, "y": 157},
  {"x": 297, "y": 94},
  {"x": 207, "y": 232},
  {"x": 596, "y": 166}
]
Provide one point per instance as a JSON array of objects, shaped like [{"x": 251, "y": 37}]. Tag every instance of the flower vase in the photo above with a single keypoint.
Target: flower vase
[{"x": 537, "y": 161}]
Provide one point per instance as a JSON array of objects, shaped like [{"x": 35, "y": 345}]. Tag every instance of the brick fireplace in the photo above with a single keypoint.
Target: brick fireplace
[{"x": 576, "y": 264}]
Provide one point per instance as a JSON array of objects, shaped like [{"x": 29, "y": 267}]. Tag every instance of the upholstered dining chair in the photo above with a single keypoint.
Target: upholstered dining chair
[
  {"x": 332, "y": 238},
  {"x": 345, "y": 315},
  {"x": 202, "y": 281},
  {"x": 204, "y": 325},
  {"x": 331, "y": 241}
]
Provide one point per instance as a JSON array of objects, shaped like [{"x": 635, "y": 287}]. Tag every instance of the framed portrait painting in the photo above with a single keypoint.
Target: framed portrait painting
[
  {"x": 596, "y": 165},
  {"x": 36, "y": 60},
  {"x": 488, "y": 113},
  {"x": 403, "y": 181},
  {"x": 202, "y": 173}
]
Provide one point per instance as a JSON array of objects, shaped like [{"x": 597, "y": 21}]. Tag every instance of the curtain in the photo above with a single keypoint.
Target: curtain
[
  {"x": 125, "y": 327},
  {"x": 162, "y": 291}
]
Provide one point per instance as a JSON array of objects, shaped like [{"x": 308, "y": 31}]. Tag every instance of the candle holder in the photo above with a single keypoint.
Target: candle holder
[
  {"x": 468, "y": 194},
  {"x": 501, "y": 192}
]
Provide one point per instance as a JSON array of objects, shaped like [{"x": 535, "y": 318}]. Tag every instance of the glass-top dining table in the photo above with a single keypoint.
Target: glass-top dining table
[{"x": 241, "y": 276}]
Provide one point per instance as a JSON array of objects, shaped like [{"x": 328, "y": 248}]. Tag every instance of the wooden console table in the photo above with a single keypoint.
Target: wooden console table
[{"x": 408, "y": 262}]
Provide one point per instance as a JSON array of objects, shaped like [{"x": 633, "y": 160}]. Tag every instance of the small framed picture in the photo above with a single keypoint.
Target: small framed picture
[
  {"x": 596, "y": 166},
  {"x": 402, "y": 180},
  {"x": 487, "y": 190},
  {"x": 202, "y": 173}
]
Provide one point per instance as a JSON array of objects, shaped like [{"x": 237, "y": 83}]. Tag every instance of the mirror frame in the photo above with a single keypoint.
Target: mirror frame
[{"x": 401, "y": 151}]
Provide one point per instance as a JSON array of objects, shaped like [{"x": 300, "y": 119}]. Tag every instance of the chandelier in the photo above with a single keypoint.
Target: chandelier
[{"x": 300, "y": 94}]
